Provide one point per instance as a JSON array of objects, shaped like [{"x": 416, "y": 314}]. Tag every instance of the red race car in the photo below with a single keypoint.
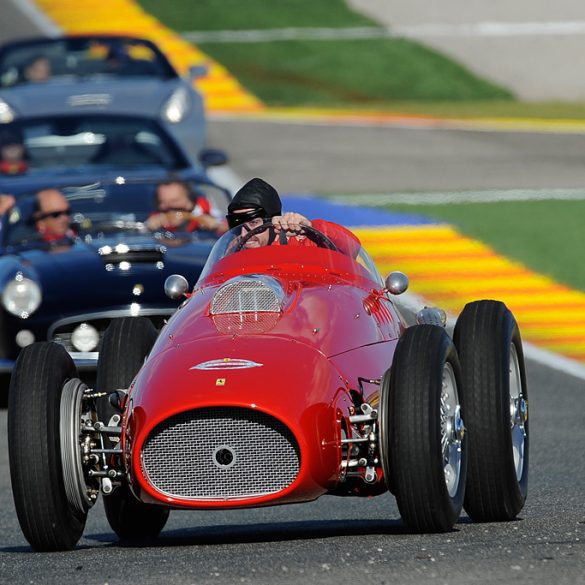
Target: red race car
[{"x": 287, "y": 373}]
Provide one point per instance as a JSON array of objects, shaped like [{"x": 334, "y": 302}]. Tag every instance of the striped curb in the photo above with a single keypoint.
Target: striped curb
[
  {"x": 220, "y": 89},
  {"x": 450, "y": 270}
]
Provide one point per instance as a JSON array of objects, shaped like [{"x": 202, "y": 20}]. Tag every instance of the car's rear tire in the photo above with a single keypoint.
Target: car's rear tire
[
  {"x": 493, "y": 375},
  {"x": 48, "y": 521},
  {"x": 125, "y": 345},
  {"x": 425, "y": 454}
]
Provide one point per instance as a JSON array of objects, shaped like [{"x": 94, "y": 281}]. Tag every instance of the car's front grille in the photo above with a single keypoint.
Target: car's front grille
[
  {"x": 62, "y": 332},
  {"x": 221, "y": 453}
]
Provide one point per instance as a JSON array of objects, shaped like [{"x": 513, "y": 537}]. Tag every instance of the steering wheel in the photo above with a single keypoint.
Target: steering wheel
[{"x": 313, "y": 234}]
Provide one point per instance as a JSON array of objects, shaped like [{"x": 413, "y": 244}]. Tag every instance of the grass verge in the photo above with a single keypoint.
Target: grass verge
[
  {"x": 316, "y": 73},
  {"x": 546, "y": 236}
]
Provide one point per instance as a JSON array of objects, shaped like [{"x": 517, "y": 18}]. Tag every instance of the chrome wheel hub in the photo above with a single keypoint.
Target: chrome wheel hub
[
  {"x": 452, "y": 430},
  {"x": 518, "y": 413}
]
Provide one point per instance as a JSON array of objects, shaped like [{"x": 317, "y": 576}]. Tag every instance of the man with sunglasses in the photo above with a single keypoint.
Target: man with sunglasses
[
  {"x": 258, "y": 202},
  {"x": 52, "y": 216}
]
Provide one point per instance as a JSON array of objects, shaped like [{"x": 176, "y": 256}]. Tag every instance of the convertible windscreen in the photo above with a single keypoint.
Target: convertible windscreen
[
  {"x": 95, "y": 142},
  {"x": 78, "y": 58},
  {"x": 340, "y": 254}
]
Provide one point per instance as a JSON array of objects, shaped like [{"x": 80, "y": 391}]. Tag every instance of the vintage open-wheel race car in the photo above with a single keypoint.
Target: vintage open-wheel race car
[{"x": 286, "y": 374}]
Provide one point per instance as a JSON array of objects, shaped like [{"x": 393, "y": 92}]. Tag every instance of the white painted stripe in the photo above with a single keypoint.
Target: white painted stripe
[
  {"x": 444, "y": 198},
  {"x": 493, "y": 29},
  {"x": 286, "y": 34},
  {"x": 39, "y": 19},
  {"x": 479, "y": 29}
]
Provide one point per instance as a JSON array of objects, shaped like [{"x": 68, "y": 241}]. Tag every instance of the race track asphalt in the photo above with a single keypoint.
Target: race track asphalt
[{"x": 335, "y": 540}]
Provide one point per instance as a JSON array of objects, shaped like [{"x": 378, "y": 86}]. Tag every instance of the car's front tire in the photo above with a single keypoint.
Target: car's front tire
[
  {"x": 48, "y": 521},
  {"x": 425, "y": 451}
]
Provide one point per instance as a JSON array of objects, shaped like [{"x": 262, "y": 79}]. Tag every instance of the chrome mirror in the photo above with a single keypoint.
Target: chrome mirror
[
  {"x": 176, "y": 286},
  {"x": 396, "y": 283}
]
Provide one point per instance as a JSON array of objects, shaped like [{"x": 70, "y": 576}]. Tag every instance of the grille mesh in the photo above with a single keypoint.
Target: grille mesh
[
  {"x": 220, "y": 453},
  {"x": 245, "y": 295}
]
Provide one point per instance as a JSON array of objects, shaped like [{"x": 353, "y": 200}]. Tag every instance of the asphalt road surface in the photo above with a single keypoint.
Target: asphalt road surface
[
  {"x": 336, "y": 540},
  {"x": 345, "y": 540}
]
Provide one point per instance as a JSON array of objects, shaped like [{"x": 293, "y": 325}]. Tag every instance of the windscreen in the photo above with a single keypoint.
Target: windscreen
[
  {"x": 81, "y": 58},
  {"x": 93, "y": 143},
  {"x": 329, "y": 249}
]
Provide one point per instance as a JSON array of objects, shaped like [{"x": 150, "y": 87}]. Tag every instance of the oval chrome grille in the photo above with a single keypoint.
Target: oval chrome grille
[
  {"x": 248, "y": 295},
  {"x": 221, "y": 453}
]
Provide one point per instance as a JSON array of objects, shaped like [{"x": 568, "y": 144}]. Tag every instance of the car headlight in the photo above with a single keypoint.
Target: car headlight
[
  {"x": 85, "y": 337},
  {"x": 176, "y": 106},
  {"x": 7, "y": 114},
  {"x": 21, "y": 297}
]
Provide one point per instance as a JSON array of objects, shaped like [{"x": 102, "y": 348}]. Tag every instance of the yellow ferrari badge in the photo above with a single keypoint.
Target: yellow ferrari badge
[{"x": 220, "y": 382}]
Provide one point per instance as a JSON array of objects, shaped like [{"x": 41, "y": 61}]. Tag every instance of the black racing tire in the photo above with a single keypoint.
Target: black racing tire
[
  {"x": 125, "y": 345},
  {"x": 131, "y": 519},
  {"x": 493, "y": 374},
  {"x": 425, "y": 363},
  {"x": 47, "y": 520}
]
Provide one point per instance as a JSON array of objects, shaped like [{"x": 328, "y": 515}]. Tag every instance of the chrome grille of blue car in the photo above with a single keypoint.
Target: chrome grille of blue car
[{"x": 220, "y": 453}]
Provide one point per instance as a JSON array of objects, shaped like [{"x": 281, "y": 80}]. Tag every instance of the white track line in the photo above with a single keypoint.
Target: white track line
[
  {"x": 479, "y": 29},
  {"x": 449, "y": 197},
  {"x": 38, "y": 17}
]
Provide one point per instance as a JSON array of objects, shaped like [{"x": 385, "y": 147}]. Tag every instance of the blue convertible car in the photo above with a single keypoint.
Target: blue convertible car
[
  {"x": 119, "y": 75},
  {"x": 109, "y": 265}
]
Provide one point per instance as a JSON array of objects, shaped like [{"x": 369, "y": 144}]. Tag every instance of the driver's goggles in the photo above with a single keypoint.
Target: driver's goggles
[{"x": 248, "y": 219}]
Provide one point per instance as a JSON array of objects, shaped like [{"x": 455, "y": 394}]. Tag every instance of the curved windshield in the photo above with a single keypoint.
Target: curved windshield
[
  {"x": 81, "y": 58},
  {"x": 94, "y": 143},
  {"x": 100, "y": 210},
  {"x": 332, "y": 247}
]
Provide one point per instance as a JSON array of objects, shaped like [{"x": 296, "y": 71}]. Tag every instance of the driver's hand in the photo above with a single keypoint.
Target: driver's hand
[
  {"x": 207, "y": 222},
  {"x": 290, "y": 222}
]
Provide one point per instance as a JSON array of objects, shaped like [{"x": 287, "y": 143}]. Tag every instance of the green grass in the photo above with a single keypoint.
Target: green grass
[
  {"x": 374, "y": 72},
  {"x": 187, "y": 15},
  {"x": 546, "y": 236}
]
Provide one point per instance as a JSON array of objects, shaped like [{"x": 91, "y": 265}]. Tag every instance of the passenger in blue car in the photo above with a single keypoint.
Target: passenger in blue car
[
  {"x": 12, "y": 154},
  {"x": 52, "y": 216}
]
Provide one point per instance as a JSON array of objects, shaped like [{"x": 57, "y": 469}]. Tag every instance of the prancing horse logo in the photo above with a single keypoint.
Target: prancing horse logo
[{"x": 226, "y": 364}]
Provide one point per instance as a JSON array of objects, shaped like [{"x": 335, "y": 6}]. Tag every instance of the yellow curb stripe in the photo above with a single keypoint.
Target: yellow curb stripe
[
  {"x": 450, "y": 269},
  {"x": 221, "y": 91}
]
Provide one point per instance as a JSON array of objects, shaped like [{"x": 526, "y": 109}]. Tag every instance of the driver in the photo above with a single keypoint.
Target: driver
[
  {"x": 178, "y": 209},
  {"x": 52, "y": 216},
  {"x": 258, "y": 202}
]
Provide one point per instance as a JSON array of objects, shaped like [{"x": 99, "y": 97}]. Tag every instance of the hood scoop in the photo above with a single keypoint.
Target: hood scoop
[{"x": 124, "y": 257}]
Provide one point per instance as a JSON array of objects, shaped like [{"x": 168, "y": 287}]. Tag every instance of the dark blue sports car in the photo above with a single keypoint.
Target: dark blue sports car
[
  {"x": 109, "y": 264},
  {"x": 90, "y": 146}
]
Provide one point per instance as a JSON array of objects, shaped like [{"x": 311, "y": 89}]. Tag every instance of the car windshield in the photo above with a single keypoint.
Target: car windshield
[
  {"x": 102, "y": 210},
  {"x": 77, "y": 58},
  {"x": 232, "y": 254},
  {"x": 95, "y": 142}
]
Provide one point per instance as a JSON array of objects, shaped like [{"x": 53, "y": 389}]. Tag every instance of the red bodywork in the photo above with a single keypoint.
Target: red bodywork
[{"x": 336, "y": 326}]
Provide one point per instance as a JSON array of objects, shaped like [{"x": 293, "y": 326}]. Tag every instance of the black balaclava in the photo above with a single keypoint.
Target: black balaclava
[{"x": 257, "y": 194}]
